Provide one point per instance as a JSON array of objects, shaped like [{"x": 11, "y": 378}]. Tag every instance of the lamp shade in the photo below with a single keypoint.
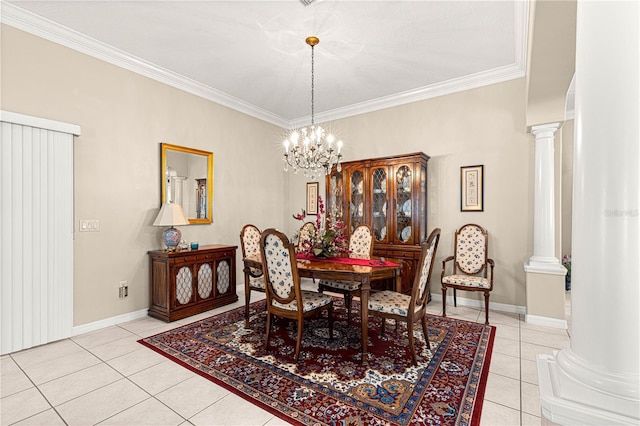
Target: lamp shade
[{"x": 171, "y": 214}]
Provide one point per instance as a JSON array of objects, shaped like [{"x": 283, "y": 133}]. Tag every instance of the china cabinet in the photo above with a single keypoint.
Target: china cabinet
[
  {"x": 390, "y": 195},
  {"x": 187, "y": 282}
]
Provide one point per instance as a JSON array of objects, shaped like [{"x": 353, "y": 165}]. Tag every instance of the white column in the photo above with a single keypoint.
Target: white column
[
  {"x": 597, "y": 379},
  {"x": 544, "y": 228}
]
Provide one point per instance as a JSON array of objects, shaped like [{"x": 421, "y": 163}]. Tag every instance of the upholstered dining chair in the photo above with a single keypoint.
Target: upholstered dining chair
[
  {"x": 306, "y": 232},
  {"x": 471, "y": 265},
  {"x": 285, "y": 298},
  {"x": 360, "y": 247},
  {"x": 253, "y": 277},
  {"x": 409, "y": 308}
]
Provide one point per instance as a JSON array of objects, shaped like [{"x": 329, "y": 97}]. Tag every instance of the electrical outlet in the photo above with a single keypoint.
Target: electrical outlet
[{"x": 123, "y": 290}]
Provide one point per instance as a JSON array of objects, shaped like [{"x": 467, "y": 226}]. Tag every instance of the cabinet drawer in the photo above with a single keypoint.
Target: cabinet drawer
[{"x": 184, "y": 259}]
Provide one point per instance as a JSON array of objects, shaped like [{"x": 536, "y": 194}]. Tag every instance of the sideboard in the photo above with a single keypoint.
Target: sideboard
[{"x": 188, "y": 282}]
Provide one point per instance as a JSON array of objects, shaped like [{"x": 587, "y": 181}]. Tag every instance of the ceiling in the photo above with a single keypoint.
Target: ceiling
[{"x": 252, "y": 56}]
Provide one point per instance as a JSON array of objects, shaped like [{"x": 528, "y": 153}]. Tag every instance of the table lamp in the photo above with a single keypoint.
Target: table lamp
[{"x": 171, "y": 214}]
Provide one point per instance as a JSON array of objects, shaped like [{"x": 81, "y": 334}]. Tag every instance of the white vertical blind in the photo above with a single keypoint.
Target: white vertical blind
[{"x": 36, "y": 231}]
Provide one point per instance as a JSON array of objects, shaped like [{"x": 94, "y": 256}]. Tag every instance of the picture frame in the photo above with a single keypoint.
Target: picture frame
[
  {"x": 472, "y": 188},
  {"x": 312, "y": 198}
]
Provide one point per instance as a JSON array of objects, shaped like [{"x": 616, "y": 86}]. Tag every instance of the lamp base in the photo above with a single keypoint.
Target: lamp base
[{"x": 171, "y": 238}]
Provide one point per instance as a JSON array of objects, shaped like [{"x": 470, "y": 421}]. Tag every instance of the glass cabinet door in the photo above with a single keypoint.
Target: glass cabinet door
[
  {"x": 379, "y": 205},
  {"x": 403, "y": 180},
  {"x": 357, "y": 200},
  {"x": 335, "y": 202}
]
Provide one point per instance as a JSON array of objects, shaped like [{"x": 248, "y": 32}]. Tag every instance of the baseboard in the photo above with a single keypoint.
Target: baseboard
[
  {"x": 493, "y": 306},
  {"x": 108, "y": 322},
  {"x": 545, "y": 321}
]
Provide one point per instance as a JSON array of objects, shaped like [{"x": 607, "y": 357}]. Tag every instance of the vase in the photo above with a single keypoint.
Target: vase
[{"x": 567, "y": 282}]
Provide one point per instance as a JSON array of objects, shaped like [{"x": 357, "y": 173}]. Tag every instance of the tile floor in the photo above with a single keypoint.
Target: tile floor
[{"x": 107, "y": 378}]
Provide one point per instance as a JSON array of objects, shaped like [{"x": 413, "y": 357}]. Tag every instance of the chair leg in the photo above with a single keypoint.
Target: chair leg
[
  {"x": 384, "y": 321},
  {"x": 425, "y": 331},
  {"x": 412, "y": 346},
  {"x": 486, "y": 307},
  {"x": 247, "y": 299},
  {"x": 444, "y": 301},
  {"x": 348, "y": 298},
  {"x": 266, "y": 341},
  {"x": 299, "y": 342},
  {"x": 454, "y": 298}
]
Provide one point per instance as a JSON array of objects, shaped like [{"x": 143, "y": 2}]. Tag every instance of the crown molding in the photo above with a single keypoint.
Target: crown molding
[
  {"x": 52, "y": 31},
  {"x": 34, "y": 24}
]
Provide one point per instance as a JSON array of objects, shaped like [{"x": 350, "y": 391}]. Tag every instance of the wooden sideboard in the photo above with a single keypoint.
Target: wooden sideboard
[
  {"x": 187, "y": 282},
  {"x": 390, "y": 195}
]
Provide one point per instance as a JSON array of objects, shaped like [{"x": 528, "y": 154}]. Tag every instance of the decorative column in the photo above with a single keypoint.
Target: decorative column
[
  {"x": 544, "y": 274},
  {"x": 597, "y": 379},
  {"x": 544, "y": 229}
]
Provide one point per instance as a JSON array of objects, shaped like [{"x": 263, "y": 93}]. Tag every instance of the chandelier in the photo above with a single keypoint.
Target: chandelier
[{"x": 311, "y": 149}]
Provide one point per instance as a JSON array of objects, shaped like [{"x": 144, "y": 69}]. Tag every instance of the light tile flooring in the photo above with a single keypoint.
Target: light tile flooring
[{"x": 107, "y": 378}]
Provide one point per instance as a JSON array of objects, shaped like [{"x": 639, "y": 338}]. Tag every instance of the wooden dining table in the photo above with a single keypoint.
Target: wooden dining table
[{"x": 327, "y": 269}]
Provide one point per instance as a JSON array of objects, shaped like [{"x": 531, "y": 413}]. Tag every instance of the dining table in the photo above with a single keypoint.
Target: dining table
[{"x": 363, "y": 271}]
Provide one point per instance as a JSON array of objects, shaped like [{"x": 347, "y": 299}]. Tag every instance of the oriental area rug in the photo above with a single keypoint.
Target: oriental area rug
[{"x": 329, "y": 385}]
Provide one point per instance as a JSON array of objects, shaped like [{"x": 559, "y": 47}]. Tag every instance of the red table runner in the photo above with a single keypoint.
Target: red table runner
[{"x": 347, "y": 260}]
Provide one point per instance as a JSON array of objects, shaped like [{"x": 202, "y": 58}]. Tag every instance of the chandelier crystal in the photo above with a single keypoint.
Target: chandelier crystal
[{"x": 311, "y": 149}]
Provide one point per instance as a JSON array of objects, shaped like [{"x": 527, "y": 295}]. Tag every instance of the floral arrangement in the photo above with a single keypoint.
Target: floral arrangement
[
  {"x": 325, "y": 241},
  {"x": 566, "y": 262}
]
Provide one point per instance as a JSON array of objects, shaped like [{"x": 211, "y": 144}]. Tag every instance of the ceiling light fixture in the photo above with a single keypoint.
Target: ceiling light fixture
[{"x": 311, "y": 149}]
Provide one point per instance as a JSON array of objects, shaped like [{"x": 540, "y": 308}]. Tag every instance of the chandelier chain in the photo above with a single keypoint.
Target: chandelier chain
[{"x": 312, "y": 86}]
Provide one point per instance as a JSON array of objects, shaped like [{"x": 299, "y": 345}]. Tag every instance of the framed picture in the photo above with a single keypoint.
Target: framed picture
[
  {"x": 312, "y": 197},
  {"x": 472, "y": 188}
]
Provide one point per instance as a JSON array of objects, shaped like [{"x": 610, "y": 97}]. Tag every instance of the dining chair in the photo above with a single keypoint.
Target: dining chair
[
  {"x": 470, "y": 266},
  {"x": 360, "y": 247},
  {"x": 389, "y": 304},
  {"x": 253, "y": 277},
  {"x": 285, "y": 298}
]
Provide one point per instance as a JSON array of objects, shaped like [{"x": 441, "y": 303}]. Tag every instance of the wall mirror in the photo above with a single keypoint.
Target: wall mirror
[{"x": 187, "y": 179}]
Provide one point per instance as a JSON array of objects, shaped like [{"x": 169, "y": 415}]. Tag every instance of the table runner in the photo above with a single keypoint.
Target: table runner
[{"x": 347, "y": 260}]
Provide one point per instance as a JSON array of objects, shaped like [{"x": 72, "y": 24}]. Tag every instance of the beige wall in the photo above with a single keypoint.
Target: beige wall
[
  {"x": 125, "y": 116},
  {"x": 481, "y": 126}
]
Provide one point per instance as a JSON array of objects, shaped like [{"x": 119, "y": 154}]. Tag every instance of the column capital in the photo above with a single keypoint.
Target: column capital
[{"x": 540, "y": 130}]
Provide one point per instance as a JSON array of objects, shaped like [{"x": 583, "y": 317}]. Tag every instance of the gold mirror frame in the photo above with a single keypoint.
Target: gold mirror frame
[{"x": 202, "y": 191}]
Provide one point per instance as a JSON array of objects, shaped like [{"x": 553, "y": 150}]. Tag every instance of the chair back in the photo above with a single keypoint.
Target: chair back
[
  {"x": 307, "y": 232},
  {"x": 250, "y": 243},
  {"x": 280, "y": 268},
  {"x": 471, "y": 250},
  {"x": 361, "y": 243},
  {"x": 421, "y": 282},
  {"x": 250, "y": 240}
]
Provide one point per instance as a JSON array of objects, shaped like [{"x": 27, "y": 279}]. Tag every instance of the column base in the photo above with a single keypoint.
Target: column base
[
  {"x": 566, "y": 399},
  {"x": 545, "y": 295}
]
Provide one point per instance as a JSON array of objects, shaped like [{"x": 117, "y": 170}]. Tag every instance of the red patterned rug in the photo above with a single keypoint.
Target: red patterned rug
[{"x": 329, "y": 385}]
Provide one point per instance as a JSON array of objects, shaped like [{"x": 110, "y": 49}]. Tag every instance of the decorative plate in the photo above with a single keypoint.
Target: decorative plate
[
  {"x": 406, "y": 233},
  {"x": 383, "y": 232},
  {"x": 360, "y": 188},
  {"x": 406, "y": 208},
  {"x": 360, "y": 209}
]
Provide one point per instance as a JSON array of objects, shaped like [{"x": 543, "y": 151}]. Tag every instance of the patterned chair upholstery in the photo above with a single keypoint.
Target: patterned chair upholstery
[
  {"x": 253, "y": 278},
  {"x": 360, "y": 247},
  {"x": 307, "y": 230},
  {"x": 470, "y": 266},
  {"x": 409, "y": 308},
  {"x": 285, "y": 298}
]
